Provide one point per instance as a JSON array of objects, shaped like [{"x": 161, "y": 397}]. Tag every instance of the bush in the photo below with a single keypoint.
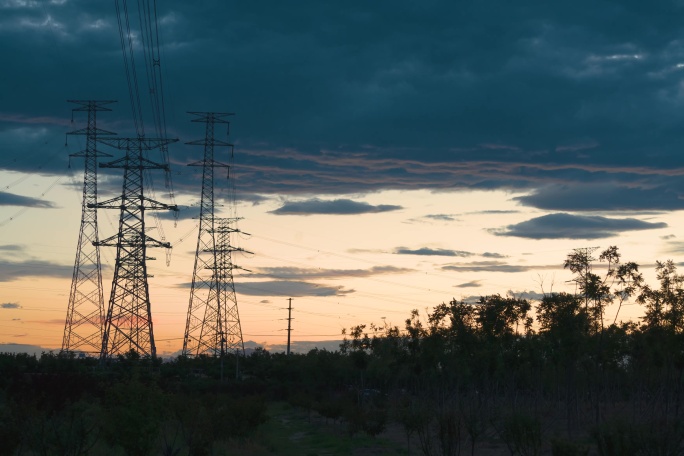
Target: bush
[
  {"x": 561, "y": 447},
  {"x": 522, "y": 435}
]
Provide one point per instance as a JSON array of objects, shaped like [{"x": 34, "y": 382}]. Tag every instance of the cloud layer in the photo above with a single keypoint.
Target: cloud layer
[
  {"x": 292, "y": 288},
  {"x": 568, "y": 226},
  {"x": 10, "y": 199},
  {"x": 14, "y": 270},
  {"x": 332, "y": 207},
  {"x": 363, "y": 96}
]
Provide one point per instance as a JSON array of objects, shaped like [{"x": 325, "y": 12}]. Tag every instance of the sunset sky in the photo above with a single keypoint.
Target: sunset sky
[{"x": 389, "y": 155}]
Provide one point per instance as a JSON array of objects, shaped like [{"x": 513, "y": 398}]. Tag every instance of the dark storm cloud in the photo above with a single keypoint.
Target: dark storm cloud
[
  {"x": 9, "y": 199},
  {"x": 14, "y": 270},
  {"x": 337, "y": 207},
  {"x": 286, "y": 272},
  {"x": 432, "y": 252},
  {"x": 567, "y": 226},
  {"x": 289, "y": 288},
  {"x": 349, "y": 97}
]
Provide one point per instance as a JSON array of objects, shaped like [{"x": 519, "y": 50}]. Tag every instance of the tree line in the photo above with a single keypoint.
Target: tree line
[{"x": 553, "y": 376}]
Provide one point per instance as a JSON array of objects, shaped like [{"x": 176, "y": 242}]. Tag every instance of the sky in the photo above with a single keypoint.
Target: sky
[{"x": 389, "y": 156}]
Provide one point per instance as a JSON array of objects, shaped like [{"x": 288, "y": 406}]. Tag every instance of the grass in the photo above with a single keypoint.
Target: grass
[{"x": 291, "y": 431}]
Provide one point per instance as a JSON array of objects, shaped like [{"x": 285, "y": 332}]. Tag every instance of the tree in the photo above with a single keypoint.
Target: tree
[
  {"x": 497, "y": 316},
  {"x": 664, "y": 305},
  {"x": 620, "y": 282}
]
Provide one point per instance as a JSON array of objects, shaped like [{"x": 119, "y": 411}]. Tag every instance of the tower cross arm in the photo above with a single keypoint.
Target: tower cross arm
[
  {"x": 204, "y": 142},
  {"x": 114, "y": 203},
  {"x": 116, "y": 241},
  {"x": 152, "y": 242},
  {"x": 228, "y": 250},
  {"x": 137, "y": 143},
  {"x": 143, "y": 163},
  {"x": 158, "y": 205},
  {"x": 212, "y": 163},
  {"x": 94, "y": 105},
  {"x": 92, "y": 131},
  {"x": 85, "y": 153},
  {"x": 215, "y": 117}
]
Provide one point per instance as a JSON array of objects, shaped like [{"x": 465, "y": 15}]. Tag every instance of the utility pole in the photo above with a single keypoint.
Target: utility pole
[
  {"x": 128, "y": 322},
  {"x": 85, "y": 312},
  {"x": 213, "y": 322},
  {"x": 289, "y": 324}
]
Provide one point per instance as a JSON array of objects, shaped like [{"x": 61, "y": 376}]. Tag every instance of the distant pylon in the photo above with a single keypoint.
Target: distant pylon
[
  {"x": 128, "y": 322},
  {"x": 84, "y": 319},
  {"x": 228, "y": 317},
  {"x": 213, "y": 322}
]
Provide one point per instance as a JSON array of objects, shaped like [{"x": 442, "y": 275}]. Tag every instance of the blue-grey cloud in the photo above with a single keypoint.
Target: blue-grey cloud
[
  {"x": 568, "y": 226},
  {"x": 427, "y": 251},
  {"x": 14, "y": 270},
  {"x": 486, "y": 266},
  {"x": 183, "y": 213},
  {"x": 602, "y": 197},
  {"x": 12, "y": 248},
  {"x": 674, "y": 247},
  {"x": 10, "y": 305},
  {"x": 494, "y": 255},
  {"x": 285, "y": 287},
  {"x": 287, "y": 272},
  {"x": 525, "y": 294},
  {"x": 471, "y": 284},
  {"x": 494, "y": 212},
  {"x": 305, "y": 346},
  {"x": 377, "y": 95},
  {"x": 432, "y": 252},
  {"x": 337, "y": 207},
  {"x": 441, "y": 217},
  {"x": 23, "y": 348},
  {"x": 290, "y": 288},
  {"x": 10, "y": 199}
]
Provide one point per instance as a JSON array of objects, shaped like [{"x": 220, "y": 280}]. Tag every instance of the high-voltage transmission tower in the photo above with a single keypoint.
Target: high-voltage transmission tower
[
  {"x": 128, "y": 321},
  {"x": 213, "y": 323},
  {"x": 85, "y": 314}
]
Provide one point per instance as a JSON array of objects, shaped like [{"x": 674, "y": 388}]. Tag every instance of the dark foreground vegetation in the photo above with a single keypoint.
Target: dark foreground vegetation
[{"x": 498, "y": 377}]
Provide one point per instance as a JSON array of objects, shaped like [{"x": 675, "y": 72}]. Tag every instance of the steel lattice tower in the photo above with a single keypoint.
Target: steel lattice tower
[
  {"x": 128, "y": 322},
  {"x": 83, "y": 326},
  {"x": 228, "y": 330},
  {"x": 213, "y": 322}
]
